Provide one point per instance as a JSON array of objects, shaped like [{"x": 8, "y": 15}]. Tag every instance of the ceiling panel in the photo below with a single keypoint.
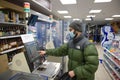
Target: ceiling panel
[{"x": 82, "y": 8}]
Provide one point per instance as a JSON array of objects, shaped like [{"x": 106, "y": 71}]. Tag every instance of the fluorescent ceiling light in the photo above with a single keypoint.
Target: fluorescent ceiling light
[
  {"x": 64, "y": 2},
  {"x": 102, "y": 1},
  {"x": 108, "y": 18},
  {"x": 67, "y": 17},
  {"x": 76, "y": 19},
  {"x": 62, "y": 12},
  {"x": 88, "y": 19},
  {"x": 91, "y": 16},
  {"x": 116, "y": 16},
  {"x": 95, "y": 11}
]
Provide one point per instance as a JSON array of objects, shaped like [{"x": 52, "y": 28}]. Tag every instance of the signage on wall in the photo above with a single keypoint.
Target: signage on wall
[{"x": 26, "y": 7}]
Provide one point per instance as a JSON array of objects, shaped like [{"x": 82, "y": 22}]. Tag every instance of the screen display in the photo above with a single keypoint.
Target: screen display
[
  {"x": 32, "y": 56},
  {"x": 31, "y": 51},
  {"x": 32, "y": 20}
]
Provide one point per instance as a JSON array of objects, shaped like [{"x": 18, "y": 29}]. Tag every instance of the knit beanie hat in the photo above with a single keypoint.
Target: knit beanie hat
[{"x": 76, "y": 25}]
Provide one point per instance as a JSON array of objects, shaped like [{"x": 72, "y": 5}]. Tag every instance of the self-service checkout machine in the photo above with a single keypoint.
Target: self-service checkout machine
[{"x": 30, "y": 61}]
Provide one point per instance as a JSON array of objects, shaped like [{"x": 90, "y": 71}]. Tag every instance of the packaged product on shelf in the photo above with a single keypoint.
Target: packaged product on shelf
[
  {"x": 2, "y": 16},
  {"x": 6, "y": 44},
  {"x": 11, "y": 30},
  {"x": 1, "y": 46},
  {"x": 6, "y": 17},
  {"x": 18, "y": 30},
  {"x": 17, "y": 18},
  {"x": 19, "y": 42},
  {"x": 2, "y": 30},
  {"x": 13, "y": 43},
  {"x": 1, "y": 33},
  {"x": 13, "y": 17}
]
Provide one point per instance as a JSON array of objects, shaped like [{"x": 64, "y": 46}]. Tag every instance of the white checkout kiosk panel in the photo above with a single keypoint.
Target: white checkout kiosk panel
[{"x": 30, "y": 61}]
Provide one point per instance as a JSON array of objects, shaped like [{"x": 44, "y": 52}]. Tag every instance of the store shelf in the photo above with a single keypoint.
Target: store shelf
[
  {"x": 112, "y": 54},
  {"x": 6, "y": 37},
  {"x": 20, "y": 47},
  {"x": 44, "y": 20},
  {"x": 13, "y": 49},
  {"x": 112, "y": 68},
  {"x": 10, "y": 23},
  {"x": 108, "y": 70},
  {"x": 112, "y": 61}
]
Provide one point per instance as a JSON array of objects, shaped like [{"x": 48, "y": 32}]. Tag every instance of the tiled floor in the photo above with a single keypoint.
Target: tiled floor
[{"x": 101, "y": 73}]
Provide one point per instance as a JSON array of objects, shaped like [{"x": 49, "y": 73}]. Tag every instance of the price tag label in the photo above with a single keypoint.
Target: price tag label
[{"x": 27, "y": 38}]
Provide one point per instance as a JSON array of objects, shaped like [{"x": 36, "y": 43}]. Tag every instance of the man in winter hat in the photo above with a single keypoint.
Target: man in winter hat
[{"x": 83, "y": 56}]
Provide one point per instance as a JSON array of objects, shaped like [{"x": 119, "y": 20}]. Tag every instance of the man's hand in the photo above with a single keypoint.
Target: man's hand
[
  {"x": 71, "y": 74},
  {"x": 42, "y": 53}
]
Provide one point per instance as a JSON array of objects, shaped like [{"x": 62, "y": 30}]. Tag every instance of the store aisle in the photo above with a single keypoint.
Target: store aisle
[{"x": 101, "y": 73}]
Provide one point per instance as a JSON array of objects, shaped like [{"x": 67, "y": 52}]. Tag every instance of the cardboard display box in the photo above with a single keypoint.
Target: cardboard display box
[{"x": 3, "y": 63}]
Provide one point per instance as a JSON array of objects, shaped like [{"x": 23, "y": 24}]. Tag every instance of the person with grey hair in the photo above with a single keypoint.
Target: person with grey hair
[{"x": 83, "y": 56}]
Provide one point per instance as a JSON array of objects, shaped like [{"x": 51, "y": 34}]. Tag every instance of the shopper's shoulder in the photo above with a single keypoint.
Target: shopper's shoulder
[
  {"x": 83, "y": 41},
  {"x": 70, "y": 42},
  {"x": 90, "y": 46}
]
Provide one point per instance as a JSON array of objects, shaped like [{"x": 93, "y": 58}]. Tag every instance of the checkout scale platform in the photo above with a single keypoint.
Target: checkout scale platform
[
  {"x": 47, "y": 69},
  {"x": 25, "y": 76},
  {"x": 44, "y": 72}
]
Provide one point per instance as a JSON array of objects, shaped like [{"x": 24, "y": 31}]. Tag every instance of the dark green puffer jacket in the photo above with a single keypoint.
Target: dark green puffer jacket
[{"x": 82, "y": 71}]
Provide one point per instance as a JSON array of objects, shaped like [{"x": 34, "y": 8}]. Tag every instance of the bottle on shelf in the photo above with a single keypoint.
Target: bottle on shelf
[
  {"x": 21, "y": 18},
  {"x": 22, "y": 30},
  {"x": 9, "y": 46},
  {"x": 4, "y": 45},
  {"x": 9, "y": 31},
  {"x": 12, "y": 30},
  {"x": 17, "y": 30},
  {"x": 1, "y": 46},
  {"x": 9, "y": 58},
  {"x": 6, "y": 17},
  {"x": 13, "y": 43},
  {"x": 1, "y": 31},
  {"x": 5, "y": 31},
  {"x": 11, "y": 15},
  {"x": 19, "y": 42}
]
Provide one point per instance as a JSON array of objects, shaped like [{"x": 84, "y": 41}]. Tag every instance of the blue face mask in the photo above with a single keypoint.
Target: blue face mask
[{"x": 72, "y": 34}]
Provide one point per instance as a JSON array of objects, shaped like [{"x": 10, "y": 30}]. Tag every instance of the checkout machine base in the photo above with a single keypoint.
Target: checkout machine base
[
  {"x": 48, "y": 70},
  {"x": 25, "y": 76}
]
